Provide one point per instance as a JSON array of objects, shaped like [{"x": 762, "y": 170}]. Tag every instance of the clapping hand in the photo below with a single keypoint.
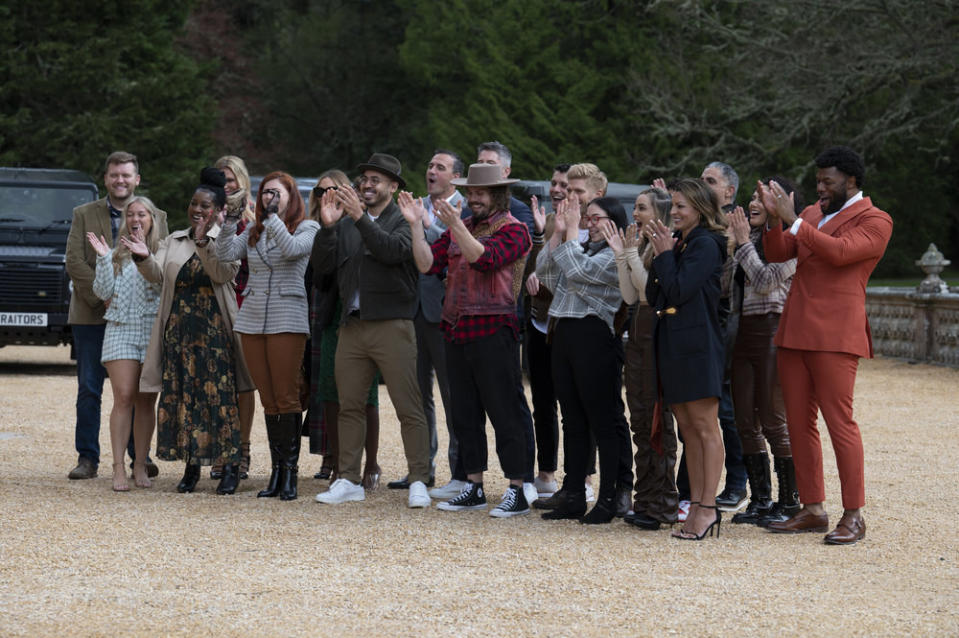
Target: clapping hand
[
  {"x": 777, "y": 202},
  {"x": 539, "y": 214},
  {"x": 135, "y": 243},
  {"x": 739, "y": 225},
  {"x": 659, "y": 236},
  {"x": 660, "y": 183},
  {"x": 349, "y": 201},
  {"x": 631, "y": 236},
  {"x": 614, "y": 237},
  {"x": 412, "y": 209},
  {"x": 572, "y": 216},
  {"x": 331, "y": 210},
  {"x": 451, "y": 216},
  {"x": 99, "y": 244}
]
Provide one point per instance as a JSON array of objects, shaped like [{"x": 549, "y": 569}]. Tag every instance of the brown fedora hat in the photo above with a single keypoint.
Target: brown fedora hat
[
  {"x": 386, "y": 164},
  {"x": 484, "y": 175}
]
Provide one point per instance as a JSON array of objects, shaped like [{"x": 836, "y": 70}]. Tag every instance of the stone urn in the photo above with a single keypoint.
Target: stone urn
[{"x": 932, "y": 263}]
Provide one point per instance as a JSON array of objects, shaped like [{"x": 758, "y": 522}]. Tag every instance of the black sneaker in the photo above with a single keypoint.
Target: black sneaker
[
  {"x": 731, "y": 500},
  {"x": 471, "y": 498},
  {"x": 513, "y": 503}
]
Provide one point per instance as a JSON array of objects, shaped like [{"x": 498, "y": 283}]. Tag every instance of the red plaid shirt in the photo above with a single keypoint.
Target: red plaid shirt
[{"x": 505, "y": 246}]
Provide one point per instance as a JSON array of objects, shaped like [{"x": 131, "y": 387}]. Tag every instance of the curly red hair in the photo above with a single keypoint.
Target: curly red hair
[{"x": 295, "y": 211}]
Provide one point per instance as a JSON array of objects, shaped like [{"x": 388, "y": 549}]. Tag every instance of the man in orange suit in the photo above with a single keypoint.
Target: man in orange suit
[{"x": 824, "y": 331}]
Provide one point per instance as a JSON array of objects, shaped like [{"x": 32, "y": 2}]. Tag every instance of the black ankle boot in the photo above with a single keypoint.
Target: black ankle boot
[
  {"x": 290, "y": 426},
  {"x": 273, "y": 435},
  {"x": 760, "y": 489},
  {"x": 190, "y": 476},
  {"x": 229, "y": 480},
  {"x": 788, "y": 503},
  {"x": 603, "y": 512},
  {"x": 573, "y": 505}
]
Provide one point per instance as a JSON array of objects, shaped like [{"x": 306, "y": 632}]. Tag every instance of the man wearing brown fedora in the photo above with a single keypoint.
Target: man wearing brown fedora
[
  {"x": 366, "y": 241},
  {"x": 484, "y": 257}
]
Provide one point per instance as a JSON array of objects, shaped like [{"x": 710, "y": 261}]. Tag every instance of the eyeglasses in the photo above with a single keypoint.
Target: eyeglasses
[
  {"x": 593, "y": 219},
  {"x": 270, "y": 193},
  {"x": 320, "y": 191}
]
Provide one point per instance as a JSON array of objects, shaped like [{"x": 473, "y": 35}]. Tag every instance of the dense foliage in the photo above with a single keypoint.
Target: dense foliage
[{"x": 643, "y": 89}]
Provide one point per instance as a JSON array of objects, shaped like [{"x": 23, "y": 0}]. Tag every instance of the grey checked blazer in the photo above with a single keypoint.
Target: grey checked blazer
[{"x": 275, "y": 297}]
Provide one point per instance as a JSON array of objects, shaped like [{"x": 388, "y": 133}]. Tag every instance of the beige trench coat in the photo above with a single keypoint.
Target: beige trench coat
[{"x": 174, "y": 251}]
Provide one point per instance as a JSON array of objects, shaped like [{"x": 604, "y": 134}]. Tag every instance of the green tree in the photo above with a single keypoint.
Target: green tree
[{"x": 80, "y": 79}]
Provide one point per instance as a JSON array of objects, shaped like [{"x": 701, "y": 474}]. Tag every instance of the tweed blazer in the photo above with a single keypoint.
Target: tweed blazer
[
  {"x": 274, "y": 300},
  {"x": 85, "y": 307},
  {"x": 163, "y": 268},
  {"x": 826, "y": 307},
  {"x": 133, "y": 297}
]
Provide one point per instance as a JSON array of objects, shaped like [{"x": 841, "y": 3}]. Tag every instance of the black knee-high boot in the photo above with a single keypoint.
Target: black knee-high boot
[
  {"x": 788, "y": 503},
  {"x": 273, "y": 435},
  {"x": 760, "y": 489},
  {"x": 291, "y": 424}
]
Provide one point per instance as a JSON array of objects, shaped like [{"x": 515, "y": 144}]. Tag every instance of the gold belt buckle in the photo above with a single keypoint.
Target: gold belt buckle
[{"x": 666, "y": 311}]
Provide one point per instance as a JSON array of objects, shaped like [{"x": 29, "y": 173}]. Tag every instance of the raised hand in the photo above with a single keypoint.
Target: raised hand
[
  {"x": 631, "y": 236},
  {"x": 659, "y": 182},
  {"x": 99, "y": 244},
  {"x": 559, "y": 229},
  {"x": 408, "y": 208},
  {"x": 450, "y": 215},
  {"x": 532, "y": 284},
  {"x": 573, "y": 216},
  {"x": 349, "y": 201},
  {"x": 539, "y": 214},
  {"x": 136, "y": 245},
  {"x": 778, "y": 204},
  {"x": 613, "y": 236},
  {"x": 738, "y": 225},
  {"x": 330, "y": 208},
  {"x": 659, "y": 236}
]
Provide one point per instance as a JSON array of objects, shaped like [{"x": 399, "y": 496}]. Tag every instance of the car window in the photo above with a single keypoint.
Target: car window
[{"x": 39, "y": 205}]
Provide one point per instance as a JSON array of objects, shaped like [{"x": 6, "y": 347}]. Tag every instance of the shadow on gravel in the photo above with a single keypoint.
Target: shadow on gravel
[{"x": 38, "y": 369}]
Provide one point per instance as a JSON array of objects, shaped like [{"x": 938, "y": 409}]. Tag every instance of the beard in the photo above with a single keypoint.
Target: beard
[{"x": 834, "y": 204}]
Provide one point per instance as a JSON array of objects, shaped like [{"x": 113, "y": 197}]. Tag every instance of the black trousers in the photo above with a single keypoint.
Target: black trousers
[
  {"x": 588, "y": 377},
  {"x": 486, "y": 379},
  {"x": 545, "y": 418}
]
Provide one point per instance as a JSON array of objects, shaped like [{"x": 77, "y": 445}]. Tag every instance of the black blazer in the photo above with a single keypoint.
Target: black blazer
[{"x": 684, "y": 288}]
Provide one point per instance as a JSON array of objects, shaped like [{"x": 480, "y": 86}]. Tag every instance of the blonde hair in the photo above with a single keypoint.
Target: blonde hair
[
  {"x": 240, "y": 200},
  {"x": 121, "y": 254},
  {"x": 338, "y": 177},
  {"x": 595, "y": 178}
]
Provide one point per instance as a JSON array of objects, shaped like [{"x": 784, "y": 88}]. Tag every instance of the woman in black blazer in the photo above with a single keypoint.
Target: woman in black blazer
[{"x": 683, "y": 288}]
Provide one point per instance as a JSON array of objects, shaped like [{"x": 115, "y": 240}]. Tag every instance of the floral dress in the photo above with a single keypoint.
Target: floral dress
[{"x": 197, "y": 417}]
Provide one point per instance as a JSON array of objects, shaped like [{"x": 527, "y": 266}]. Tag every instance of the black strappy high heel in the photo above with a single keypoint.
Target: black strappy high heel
[{"x": 717, "y": 523}]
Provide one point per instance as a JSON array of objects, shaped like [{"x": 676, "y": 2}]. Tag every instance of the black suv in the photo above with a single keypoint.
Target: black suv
[{"x": 36, "y": 210}]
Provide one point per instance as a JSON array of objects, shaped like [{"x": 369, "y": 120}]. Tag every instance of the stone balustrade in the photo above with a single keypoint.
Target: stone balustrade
[{"x": 919, "y": 324}]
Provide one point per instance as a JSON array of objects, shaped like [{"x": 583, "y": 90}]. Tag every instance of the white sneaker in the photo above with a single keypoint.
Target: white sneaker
[
  {"x": 530, "y": 492},
  {"x": 342, "y": 491},
  {"x": 683, "y": 511},
  {"x": 448, "y": 491},
  {"x": 544, "y": 489},
  {"x": 418, "y": 495},
  {"x": 590, "y": 494}
]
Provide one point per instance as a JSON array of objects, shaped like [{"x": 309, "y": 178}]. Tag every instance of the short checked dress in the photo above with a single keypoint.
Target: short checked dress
[{"x": 133, "y": 307}]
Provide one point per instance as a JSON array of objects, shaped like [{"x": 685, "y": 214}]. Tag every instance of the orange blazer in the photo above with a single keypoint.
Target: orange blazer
[{"x": 826, "y": 306}]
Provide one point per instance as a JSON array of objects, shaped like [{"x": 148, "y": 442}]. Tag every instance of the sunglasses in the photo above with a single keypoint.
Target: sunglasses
[{"x": 319, "y": 191}]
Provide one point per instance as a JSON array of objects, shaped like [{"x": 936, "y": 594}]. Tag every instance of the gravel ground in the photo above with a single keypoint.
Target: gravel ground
[{"x": 78, "y": 559}]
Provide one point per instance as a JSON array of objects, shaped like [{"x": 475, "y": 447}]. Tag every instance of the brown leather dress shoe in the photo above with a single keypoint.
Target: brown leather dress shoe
[
  {"x": 803, "y": 521},
  {"x": 850, "y": 530}
]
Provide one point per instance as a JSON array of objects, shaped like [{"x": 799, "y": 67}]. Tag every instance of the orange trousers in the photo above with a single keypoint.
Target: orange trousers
[{"x": 813, "y": 381}]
